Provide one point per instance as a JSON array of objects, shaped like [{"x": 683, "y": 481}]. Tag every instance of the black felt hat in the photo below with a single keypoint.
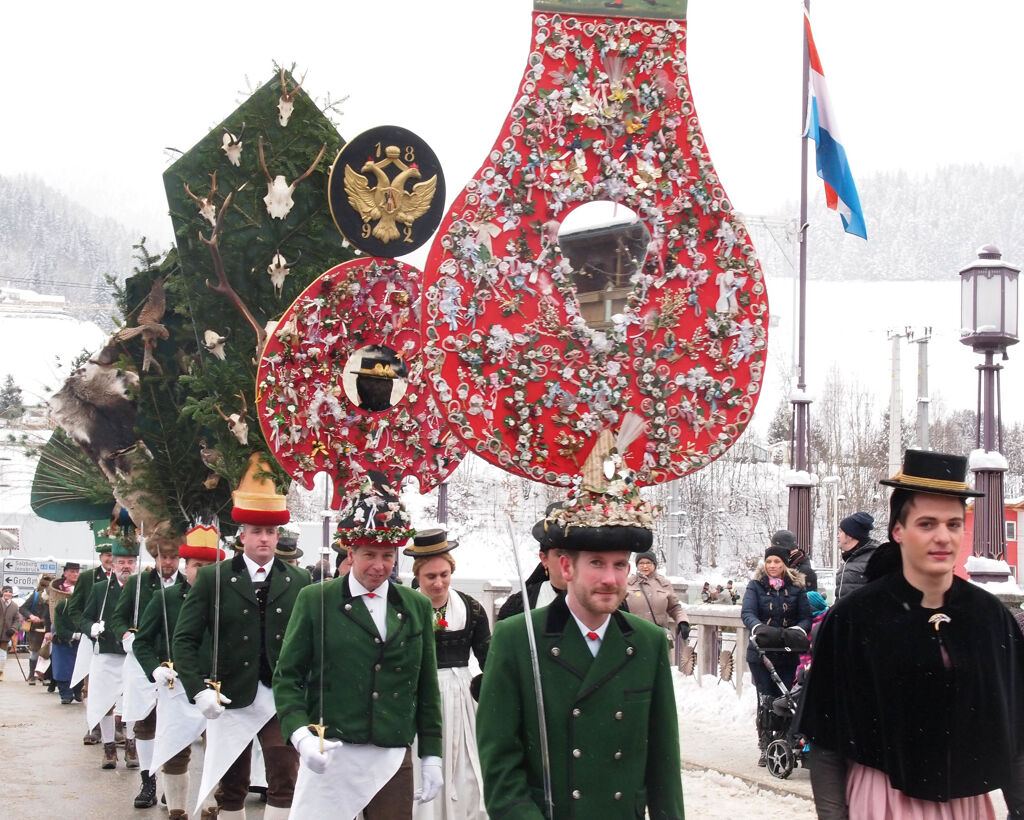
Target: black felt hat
[
  {"x": 937, "y": 473},
  {"x": 428, "y": 543},
  {"x": 540, "y": 529}
]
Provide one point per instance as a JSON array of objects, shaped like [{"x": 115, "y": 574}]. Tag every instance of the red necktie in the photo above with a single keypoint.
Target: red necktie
[
  {"x": 371, "y": 594},
  {"x": 592, "y": 635}
]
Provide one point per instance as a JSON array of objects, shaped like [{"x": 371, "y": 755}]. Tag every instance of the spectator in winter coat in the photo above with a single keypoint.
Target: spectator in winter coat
[
  {"x": 36, "y": 610},
  {"x": 778, "y": 615},
  {"x": 705, "y": 593},
  {"x": 858, "y": 546},
  {"x": 649, "y": 595},
  {"x": 797, "y": 559},
  {"x": 818, "y": 610}
]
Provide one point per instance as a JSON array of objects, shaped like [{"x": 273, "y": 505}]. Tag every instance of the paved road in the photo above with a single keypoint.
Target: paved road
[{"x": 50, "y": 775}]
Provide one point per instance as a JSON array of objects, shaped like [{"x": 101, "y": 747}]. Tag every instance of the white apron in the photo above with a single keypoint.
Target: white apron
[
  {"x": 178, "y": 723},
  {"x": 104, "y": 686},
  {"x": 139, "y": 690}
]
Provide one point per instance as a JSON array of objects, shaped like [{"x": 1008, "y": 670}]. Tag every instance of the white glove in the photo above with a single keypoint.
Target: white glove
[
  {"x": 96, "y": 629},
  {"x": 126, "y": 641},
  {"x": 206, "y": 700},
  {"x": 431, "y": 780},
  {"x": 163, "y": 676},
  {"x": 76, "y": 636},
  {"x": 307, "y": 745}
]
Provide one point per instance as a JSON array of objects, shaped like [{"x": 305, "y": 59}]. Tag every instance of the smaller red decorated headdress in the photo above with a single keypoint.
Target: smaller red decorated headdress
[
  {"x": 201, "y": 544},
  {"x": 374, "y": 516},
  {"x": 256, "y": 499}
]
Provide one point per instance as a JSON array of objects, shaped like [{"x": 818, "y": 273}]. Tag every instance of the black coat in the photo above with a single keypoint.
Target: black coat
[
  {"x": 880, "y": 694},
  {"x": 850, "y": 575},
  {"x": 782, "y": 608}
]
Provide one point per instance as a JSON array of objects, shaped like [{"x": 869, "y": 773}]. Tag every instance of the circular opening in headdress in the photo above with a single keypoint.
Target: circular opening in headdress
[
  {"x": 375, "y": 378},
  {"x": 606, "y": 243}
]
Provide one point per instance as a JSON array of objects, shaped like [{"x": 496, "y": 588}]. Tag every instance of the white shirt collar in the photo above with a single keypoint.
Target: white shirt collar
[
  {"x": 252, "y": 566},
  {"x": 167, "y": 582},
  {"x": 592, "y": 645},
  {"x": 358, "y": 589}
]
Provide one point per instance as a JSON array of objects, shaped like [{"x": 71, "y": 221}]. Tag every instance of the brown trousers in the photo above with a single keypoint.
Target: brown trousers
[
  {"x": 145, "y": 729},
  {"x": 282, "y": 763},
  {"x": 179, "y": 763},
  {"x": 394, "y": 800}
]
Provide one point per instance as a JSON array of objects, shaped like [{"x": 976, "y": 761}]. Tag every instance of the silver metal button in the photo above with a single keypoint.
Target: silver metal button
[
  {"x": 348, "y": 607},
  {"x": 576, "y": 753},
  {"x": 245, "y": 611},
  {"x": 556, "y": 651},
  {"x": 629, "y": 650},
  {"x": 245, "y": 663},
  {"x": 618, "y": 715},
  {"x": 288, "y": 578},
  {"x": 618, "y": 755},
  {"x": 376, "y": 667},
  {"x": 399, "y": 616},
  {"x": 279, "y": 610},
  {"x": 576, "y": 794},
  {"x": 376, "y": 640},
  {"x": 395, "y": 696},
  {"x": 278, "y": 637},
  {"x": 618, "y": 795},
  {"x": 245, "y": 637},
  {"x": 576, "y": 713},
  {"x": 375, "y": 695},
  {"x": 233, "y": 580}
]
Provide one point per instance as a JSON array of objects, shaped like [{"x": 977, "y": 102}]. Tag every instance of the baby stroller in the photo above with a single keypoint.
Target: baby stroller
[{"x": 786, "y": 748}]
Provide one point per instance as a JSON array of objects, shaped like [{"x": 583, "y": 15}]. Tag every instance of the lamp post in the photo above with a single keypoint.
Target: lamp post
[{"x": 988, "y": 324}]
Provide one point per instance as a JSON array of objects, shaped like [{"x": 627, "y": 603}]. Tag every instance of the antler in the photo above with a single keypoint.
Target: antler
[
  {"x": 209, "y": 197},
  {"x": 312, "y": 167},
  {"x": 221, "y": 412},
  {"x": 290, "y": 97},
  {"x": 263, "y": 163},
  {"x": 245, "y": 407},
  {"x": 223, "y": 286}
]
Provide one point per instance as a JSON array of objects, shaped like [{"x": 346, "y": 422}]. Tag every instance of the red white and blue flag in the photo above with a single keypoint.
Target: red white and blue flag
[{"x": 833, "y": 168}]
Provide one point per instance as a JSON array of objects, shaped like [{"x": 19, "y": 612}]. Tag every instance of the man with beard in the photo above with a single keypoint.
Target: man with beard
[
  {"x": 608, "y": 703},
  {"x": 105, "y": 679}
]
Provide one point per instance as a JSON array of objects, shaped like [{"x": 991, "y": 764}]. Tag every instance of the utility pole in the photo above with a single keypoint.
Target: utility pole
[
  {"x": 896, "y": 405},
  {"x": 923, "y": 400}
]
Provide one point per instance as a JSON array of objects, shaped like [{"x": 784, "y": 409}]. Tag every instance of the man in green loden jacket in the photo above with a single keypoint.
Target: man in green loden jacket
[
  {"x": 124, "y": 623},
  {"x": 158, "y": 622},
  {"x": 372, "y": 660},
  {"x": 257, "y": 593},
  {"x": 105, "y": 679},
  {"x": 606, "y": 682}
]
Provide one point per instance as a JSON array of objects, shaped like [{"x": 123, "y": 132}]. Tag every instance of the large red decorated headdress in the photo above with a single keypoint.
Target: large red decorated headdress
[
  {"x": 374, "y": 516},
  {"x": 256, "y": 499}
]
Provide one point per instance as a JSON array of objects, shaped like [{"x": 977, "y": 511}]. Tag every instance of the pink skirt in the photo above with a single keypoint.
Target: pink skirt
[{"x": 870, "y": 797}]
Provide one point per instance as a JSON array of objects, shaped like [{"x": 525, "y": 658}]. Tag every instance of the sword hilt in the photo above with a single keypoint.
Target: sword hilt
[
  {"x": 170, "y": 683},
  {"x": 215, "y": 686},
  {"x": 320, "y": 730}
]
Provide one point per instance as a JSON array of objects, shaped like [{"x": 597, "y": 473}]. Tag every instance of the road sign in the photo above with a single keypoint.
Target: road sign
[
  {"x": 20, "y": 565},
  {"x": 48, "y": 566},
  {"x": 21, "y": 580}
]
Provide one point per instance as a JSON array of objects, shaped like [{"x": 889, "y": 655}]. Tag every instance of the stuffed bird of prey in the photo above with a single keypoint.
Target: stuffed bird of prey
[{"x": 149, "y": 324}]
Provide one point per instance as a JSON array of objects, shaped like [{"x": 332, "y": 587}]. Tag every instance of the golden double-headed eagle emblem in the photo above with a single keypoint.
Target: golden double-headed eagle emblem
[{"x": 388, "y": 202}]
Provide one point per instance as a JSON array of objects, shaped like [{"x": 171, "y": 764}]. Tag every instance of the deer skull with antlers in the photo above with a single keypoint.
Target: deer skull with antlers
[
  {"x": 207, "y": 210},
  {"x": 214, "y": 343},
  {"x": 278, "y": 269},
  {"x": 286, "y": 105},
  {"x": 279, "y": 200},
  {"x": 232, "y": 146},
  {"x": 236, "y": 421}
]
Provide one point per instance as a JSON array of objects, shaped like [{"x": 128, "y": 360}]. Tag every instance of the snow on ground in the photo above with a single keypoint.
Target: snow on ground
[{"x": 709, "y": 794}]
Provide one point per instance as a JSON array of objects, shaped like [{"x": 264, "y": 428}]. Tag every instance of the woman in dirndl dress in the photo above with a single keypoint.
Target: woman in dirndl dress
[{"x": 460, "y": 626}]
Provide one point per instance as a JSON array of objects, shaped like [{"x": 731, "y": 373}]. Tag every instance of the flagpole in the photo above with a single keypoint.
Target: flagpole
[{"x": 799, "y": 519}]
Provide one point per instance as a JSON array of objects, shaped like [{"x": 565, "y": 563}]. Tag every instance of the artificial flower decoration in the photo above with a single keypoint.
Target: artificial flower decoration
[{"x": 541, "y": 336}]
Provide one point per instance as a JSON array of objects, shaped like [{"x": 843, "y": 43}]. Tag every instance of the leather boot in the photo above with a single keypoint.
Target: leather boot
[
  {"x": 131, "y": 754},
  {"x": 210, "y": 813},
  {"x": 179, "y": 814},
  {"x": 762, "y": 729},
  {"x": 146, "y": 798},
  {"x": 32, "y": 671},
  {"x": 118, "y": 731},
  {"x": 109, "y": 756},
  {"x": 92, "y": 737}
]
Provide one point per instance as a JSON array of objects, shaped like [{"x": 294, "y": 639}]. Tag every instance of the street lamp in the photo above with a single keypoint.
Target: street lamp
[{"x": 988, "y": 324}]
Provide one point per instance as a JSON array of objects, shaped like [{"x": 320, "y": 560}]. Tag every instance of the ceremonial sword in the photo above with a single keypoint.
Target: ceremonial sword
[
  {"x": 138, "y": 577},
  {"x": 213, "y": 681},
  {"x": 167, "y": 635},
  {"x": 545, "y": 754},
  {"x": 320, "y": 728}
]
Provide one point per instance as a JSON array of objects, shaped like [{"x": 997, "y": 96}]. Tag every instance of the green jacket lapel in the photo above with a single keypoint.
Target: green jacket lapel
[
  {"x": 562, "y": 642},
  {"x": 239, "y": 579},
  {"x": 355, "y": 610},
  {"x": 280, "y": 580}
]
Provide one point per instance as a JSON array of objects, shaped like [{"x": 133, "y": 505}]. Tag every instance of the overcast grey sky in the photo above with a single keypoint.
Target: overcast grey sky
[{"x": 94, "y": 98}]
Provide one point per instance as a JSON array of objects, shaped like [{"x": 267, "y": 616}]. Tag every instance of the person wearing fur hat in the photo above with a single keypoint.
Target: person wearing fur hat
[
  {"x": 650, "y": 595},
  {"x": 372, "y": 641},
  {"x": 156, "y": 658},
  {"x": 857, "y": 547},
  {"x": 612, "y": 754},
  {"x": 778, "y": 615},
  {"x": 105, "y": 670},
  {"x": 914, "y": 705},
  {"x": 242, "y": 606}
]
